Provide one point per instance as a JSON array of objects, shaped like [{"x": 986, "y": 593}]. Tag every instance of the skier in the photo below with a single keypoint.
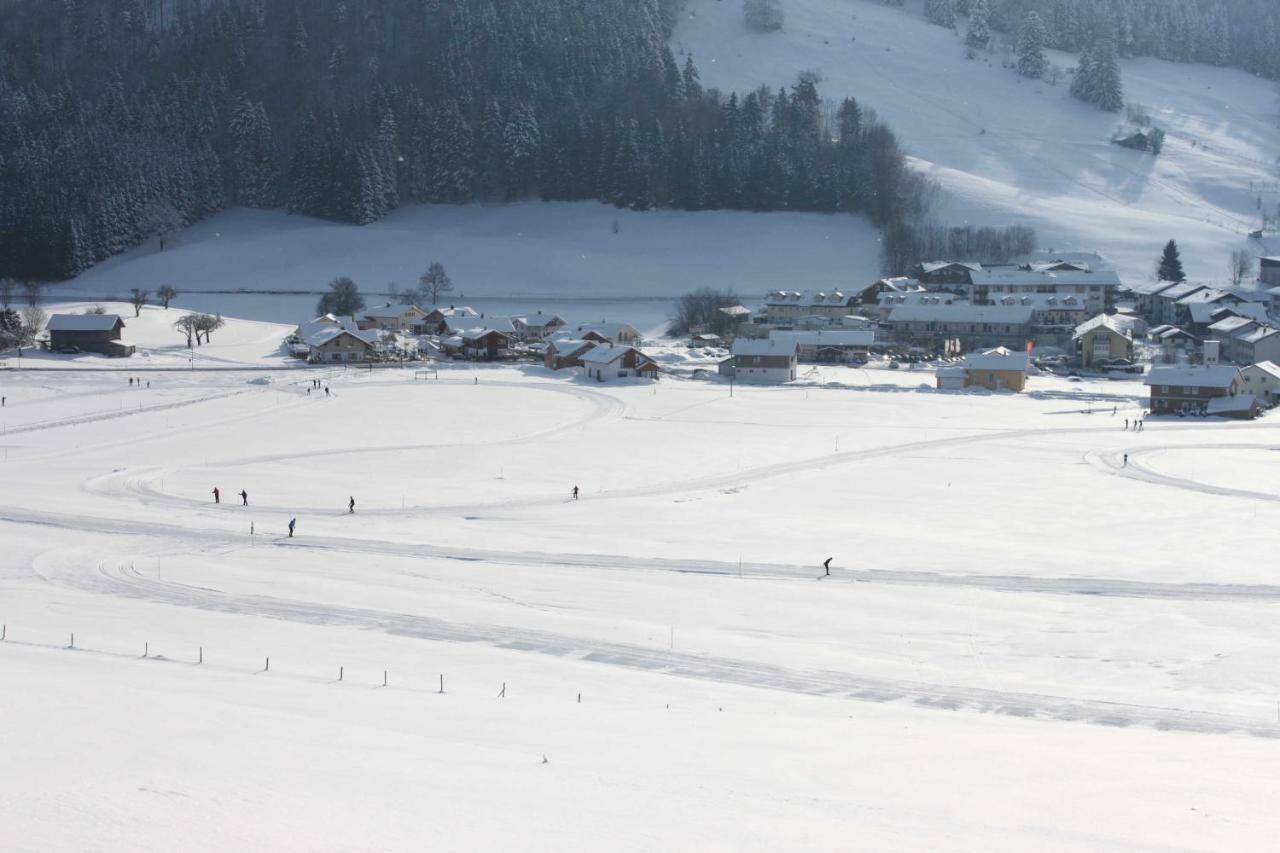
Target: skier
[
  {"x": 351, "y": 506},
  {"x": 826, "y": 564},
  {"x": 3, "y": 400},
  {"x": 1126, "y": 461},
  {"x": 130, "y": 381},
  {"x": 575, "y": 493},
  {"x": 1142, "y": 424},
  {"x": 1126, "y": 424},
  {"x": 244, "y": 498},
  {"x": 217, "y": 495},
  {"x": 308, "y": 392},
  {"x": 1114, "y": 409},
  {"x": 292, "y": 522},
  {"x": 326, "y": 390}
]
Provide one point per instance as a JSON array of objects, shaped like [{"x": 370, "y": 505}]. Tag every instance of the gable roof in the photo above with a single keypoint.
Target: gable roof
[
  {"x": 1231, "y": 324},
  {"x": 934, "y": 266},
  {"x": 1234, "y": 403},
  {"x": 609, "y": 330},
  {"x": 765, "y": 346},
  {"x": 608, "y": 354},
  {"x": 328, "y": 334},
  {"x": 1253, "y": 335},
  {"x": 1104, "y": 321},
  {"x": 1180, "y": 289},
  {"x": 1203, "y": 376},
  {"x": 84, "y": 322},
  {"x": 1103, "y": 278},
  {"x": 1268, "y": 367},
  {"x": 997, "y": 359},
  {"x": 391, "y": 312}
]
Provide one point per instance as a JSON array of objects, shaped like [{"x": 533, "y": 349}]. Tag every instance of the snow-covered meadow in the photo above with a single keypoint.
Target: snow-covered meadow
[{"x": 1024, "y": 642}]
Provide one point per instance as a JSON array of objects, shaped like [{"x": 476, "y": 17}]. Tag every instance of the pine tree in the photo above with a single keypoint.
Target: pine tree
[
  {"x": 1170, "y": 266},
  {"x": 979, "y": 34},
  {"x": 1107, "y": 86},
  {"x": 940, "y": 12},
  {"x": 1030, "y": 49}
]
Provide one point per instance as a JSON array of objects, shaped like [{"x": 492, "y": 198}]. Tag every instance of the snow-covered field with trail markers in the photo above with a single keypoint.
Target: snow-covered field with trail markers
[{"x": 1024, "y": 643}]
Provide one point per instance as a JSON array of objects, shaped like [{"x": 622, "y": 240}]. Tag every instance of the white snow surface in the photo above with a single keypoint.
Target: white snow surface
[
  {"x": 1006, "y": 150},
  {"x": 1024, "y": 643}
]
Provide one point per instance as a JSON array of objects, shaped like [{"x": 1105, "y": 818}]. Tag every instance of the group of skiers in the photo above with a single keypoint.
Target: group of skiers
[
  {"x": 293, "y": 522},
  {"x": 316, "y": 386},
  {"x": 138, "y": 381}
]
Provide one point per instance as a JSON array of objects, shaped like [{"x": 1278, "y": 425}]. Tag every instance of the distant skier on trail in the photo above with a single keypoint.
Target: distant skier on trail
[
  {"x": 575, "y": 493},
  {"x": 292, "y": 522},
  {"x": 217, "y": 495},
  {"x": 826, "y": 564},
  {"x": 351, "y": 505},
  {"x": 326, "y": 390},
  {"x": 244, "y": 498},
  {"x": 1126, "y": 424},
  {"x": 1126, "y": 461}
]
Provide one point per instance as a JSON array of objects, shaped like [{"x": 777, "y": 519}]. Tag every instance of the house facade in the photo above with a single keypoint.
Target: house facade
[
  {"x": 565, "y": 352},
  {"x": 953, "y": 273},
  {"x": 1102, "y": 339},
  {"x": 998, "y": 369},
  {"x": 1097, "y": 290},
  {"x": 1190, "y": 389},
  {"x": 337, "y": 344},
  {"x": 98, "y": 333},
  {"x": 485, "y": 344},
  {"x": 828, "y": 346},
  {"x": 1262, "y": 380},
  {"x": 1269, "y": 271},
  {"x": 973, "y": 326},
  {"x": 393, "y": 318},
  {"x": 764, "y": 362},
  {"x": 606, "y": 333},
  {"x": 609, "y": 362}
]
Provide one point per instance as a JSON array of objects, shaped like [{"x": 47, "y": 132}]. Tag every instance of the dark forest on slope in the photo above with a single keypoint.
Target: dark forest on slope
[{"x": 121, "y": 120}]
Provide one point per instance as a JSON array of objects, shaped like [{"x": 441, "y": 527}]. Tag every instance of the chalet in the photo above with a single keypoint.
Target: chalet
[
  {"x": 1223, "y": 329},
  {"x": 565, "y": 352},
  {"x": 1103, "y": 339},
  {"x": 1253, "y": 344},
  {"x": 98, "y": 333},
  {"x": 1269, "y": 271},
  {"x": 608, "y": 362},
  {"x": 1205, "y": 314},
  {"x": 974, "y": 326},
  {"x": 459, "y": 324},
  {"x": 1096, "y": 289},
  {"x": 946, "y": 272},
  {"x": 951, "y": 377},
  {"x": 1143, "y": 295},
  {"x": 828, "y": 346},
  {"x": 1189, "y": 389},
  {"x": 1262, "y": 380},
  {"x": 338, "y": 344},
  {"x": 396, "y": 318},
  {"x": 606, "y": 333},
  {"x": 485, "y": 344},
  {"x": 997, "y": 369},
  {"x": 434, "y": 322},
  {"x": 764, "y": 361},
  {"x": 1165, "y": 307},
  {"x": 537, "y": 327},
  {"x": 1175, "y": 343}
]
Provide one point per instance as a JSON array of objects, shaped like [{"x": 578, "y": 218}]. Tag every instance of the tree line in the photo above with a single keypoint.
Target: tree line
[{"x": 122, "y": 121}]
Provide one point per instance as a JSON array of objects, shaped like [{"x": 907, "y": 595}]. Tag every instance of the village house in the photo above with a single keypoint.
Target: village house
[
  {"x": 395, "y": 318},
  {"x": 955, "y": 273},
  {"x": 1253, "y": 344},
  {"x": 484, "y": 344},
  {"x": 608, "y": 333},
  {"x": 1222, "y": 330},
  {"x": 828, "y": 346},
  {"x": 1176, "y": 344},
  {"x": 1097, "y": 289},
  {"x": 1205, "y": 314},
  {"x": 1190, "y": 389},
  {"x": 338, "y": 344},
  {"x": 98, "y": 333},
  {"x": 565, "y": 352},
  {"x": 1269, "y": 271},
  {"x": 461, "y": 323},
  {"x": 1262, "y": 380},
  {"x": 1165, "y": 304},
  {"x": 788, "y": 306},
  {"x": 435, "y": 320},
  {"x": 1103, "y": 339},
  {"x": 973, "y": 326},
  {"x": 538, "y": 326},
  {"x": 997, "y": 369},
  {"x": 608, "y": 362},
  {"x": 763, "y": 361}
]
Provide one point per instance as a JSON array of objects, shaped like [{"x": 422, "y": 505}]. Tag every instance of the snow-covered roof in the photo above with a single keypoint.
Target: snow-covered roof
[
  {"x": 899, "y": 284},
  {"x": 1180, "y": 289},
  {"x": 934, "y": 266},
  {"x": 826, "y": 337},
  {"x": 1253, "y": 335},
  {"x": 807, "y": 299},
  {"x": 539, "y": 320},
  {"x": 1028, "y": 278},
  {"x": 1207, "y": 295},
  {"x": 83, "y": 322},
  {"x": 608, "y": 354},
  {"x": 1149, "y": 288},
  {"x": 1051, "y": 256},
  {"x": 919, "y": 297},
  {"x": 1270, "y": 259},
  {"x": 735, "y": 310},
  {"x": 1120, "y": 326},
  {"x": 997, "y": 359},
  {"x": 1172, "y": 332},
  {"x": 764, "y": 346},
  {"x": 1234, "y": 323},
  {"x": 563, "y": 345},
  {"x": 327, "y": 334},
  {"x": 608, "y": 330},
  {"x": 388, "y": 312},
  {"x": 468, "y": 324},
  {"x": 1234, "y": 403},
  {"x": 1203, "y": 376},
  {"x": 961, "y": 313},
  {"x": 1043, "y": 301},
  {"x": 1268, "y": 367},
  {"x": 950, "y": 371},
  {"x": 482, "y": 331},
  {"x": 455, "y": 311}
]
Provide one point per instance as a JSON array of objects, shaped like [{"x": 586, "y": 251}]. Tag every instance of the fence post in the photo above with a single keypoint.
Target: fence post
[
  {"x": 201, "y": 655},
  {"x": 384, "y": 678},
  {"x": 4, "y": 632},
  {"x": 146, "y": 650},
  {"x": 267, "y": 668},
  {"x": 73, "y": 640},
  {"x": 503, "y": 692},
  {"x": 579, "y": 698},
  {"x": 340, "y": 673},
  {"x": 442, "y": 682}
]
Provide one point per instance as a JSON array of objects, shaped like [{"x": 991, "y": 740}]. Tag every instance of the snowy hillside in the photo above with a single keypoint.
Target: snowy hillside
[
  {"x": 562, "y": 257},
  {"x": 1012, "y": 151}
]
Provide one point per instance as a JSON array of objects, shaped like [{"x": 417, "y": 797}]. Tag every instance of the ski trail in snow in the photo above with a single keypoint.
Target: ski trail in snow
[
  {"x": 1113, "y": 463},
  {"x": 122, "y": 579}
]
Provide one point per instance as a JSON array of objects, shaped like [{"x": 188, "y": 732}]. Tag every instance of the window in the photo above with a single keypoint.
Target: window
[
  {"x": 1193, "y": 389},
  {"x": 1164, "y": 389}
]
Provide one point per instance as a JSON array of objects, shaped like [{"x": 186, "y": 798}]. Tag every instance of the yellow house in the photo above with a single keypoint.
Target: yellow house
[
  {"x": 996, "y": 370},
  {"x": 1102, "y": 339}
]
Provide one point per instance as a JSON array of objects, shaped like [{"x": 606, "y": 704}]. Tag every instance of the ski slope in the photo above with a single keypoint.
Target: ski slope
[
  {"x": 1005, "y": 150},
  {"x": 1024, "y": 643}
]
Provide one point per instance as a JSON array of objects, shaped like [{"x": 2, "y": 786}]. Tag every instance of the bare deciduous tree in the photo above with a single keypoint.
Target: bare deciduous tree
[
  {"x": 7, "y": 287},
  {"x": 33, "y": 291},
  {"x": 206, "y": 323},
  {"x": 138, "y": 298},
  {"x": 186, "y": 324},
  {"x": 1241, "y": 265},
  {"x": 435, "y": 281},
  {"x": 165, "y": 294}
]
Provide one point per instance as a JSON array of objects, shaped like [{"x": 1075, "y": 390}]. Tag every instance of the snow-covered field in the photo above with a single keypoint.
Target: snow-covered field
[
  {"x": 1024, "y": 643},
  {"x": 561, "y": 257},
  {"x": 1012, "y": 151}
]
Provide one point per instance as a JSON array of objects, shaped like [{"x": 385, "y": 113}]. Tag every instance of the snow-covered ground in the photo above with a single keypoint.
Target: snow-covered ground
[
  {"x": 561, "y": 257},
  {"x": 1011, "y": 151},
  {"x": 1024, "y": 643}
]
